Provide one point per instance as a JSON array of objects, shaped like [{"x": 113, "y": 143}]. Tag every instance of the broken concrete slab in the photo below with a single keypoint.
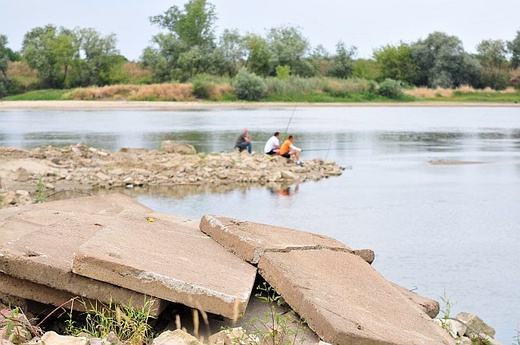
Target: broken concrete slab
[
  {"x": 25, "y": 289},
  {"x": 18, "y": 221},
  {"x": 249, "y": 240},
  {"x": 345, "y": 301},
  {"x": 44, "y": 256},
  {"x": 165, "y": 259},
  {"x": 429, "y": 306}
]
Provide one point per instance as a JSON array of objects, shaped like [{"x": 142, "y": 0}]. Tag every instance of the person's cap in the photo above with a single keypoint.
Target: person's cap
[{"x": 276, "y": 133}]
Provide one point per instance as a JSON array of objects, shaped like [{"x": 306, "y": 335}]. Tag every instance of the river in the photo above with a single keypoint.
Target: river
[{"x": 434, "y": 191}]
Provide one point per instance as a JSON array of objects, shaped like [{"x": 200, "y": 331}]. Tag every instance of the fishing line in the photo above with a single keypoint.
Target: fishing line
[
  {"x": 290, "y": 119},
  {"x": 328, "y": 151}
]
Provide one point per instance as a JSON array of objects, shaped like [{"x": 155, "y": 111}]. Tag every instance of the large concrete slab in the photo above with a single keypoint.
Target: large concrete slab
[
  {"x": 345, "y": 301},
  {"x": 18, "y": 221},
  {"x": 168, "y": 260},
  {"x": 44, "y": 256},
  {"x": 19, "y": 288},
  {"x": 249, "y": 240}
]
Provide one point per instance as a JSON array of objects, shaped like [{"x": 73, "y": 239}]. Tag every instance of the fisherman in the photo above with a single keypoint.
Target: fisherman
[
  {"x": 272, "y": 146},
  {"x": 244, "y": 141},
  {"x": 288, "y": 149}
]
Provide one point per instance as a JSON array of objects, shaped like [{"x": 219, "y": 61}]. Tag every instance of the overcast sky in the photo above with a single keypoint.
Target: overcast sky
[{"x": 364, "y": 24}]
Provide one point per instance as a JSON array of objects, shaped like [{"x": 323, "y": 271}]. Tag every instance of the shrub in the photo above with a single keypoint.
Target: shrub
[
  {"x": 249, "y": 86},
  {"x": 202, "y": 88},
  {"x": 283, "y": 72},
  {"x": 391, "y": 88}
]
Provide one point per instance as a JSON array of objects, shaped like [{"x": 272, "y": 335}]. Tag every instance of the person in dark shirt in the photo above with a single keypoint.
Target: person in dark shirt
[{"x": 243, "y": 141}]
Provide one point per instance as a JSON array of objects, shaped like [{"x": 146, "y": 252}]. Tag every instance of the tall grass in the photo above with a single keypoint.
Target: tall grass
[{"x": 154, "y": 92}]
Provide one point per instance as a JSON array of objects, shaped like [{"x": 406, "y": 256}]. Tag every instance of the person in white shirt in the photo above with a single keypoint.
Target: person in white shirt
[{"x": 272, "y": 146}]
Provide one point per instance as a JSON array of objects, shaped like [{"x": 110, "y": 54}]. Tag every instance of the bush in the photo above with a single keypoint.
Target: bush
[
  {"x": 249, "y": 86},
  {"x": 391, "y": 88},
  {"x": 201, "y": 88}
]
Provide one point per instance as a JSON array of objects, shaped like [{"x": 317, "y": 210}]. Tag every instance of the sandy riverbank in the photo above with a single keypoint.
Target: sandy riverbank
[{"x": 108, "y": 105}]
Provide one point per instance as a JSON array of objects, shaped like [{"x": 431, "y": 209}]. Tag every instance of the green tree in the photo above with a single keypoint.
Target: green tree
[
  {"x": 396, "y": 63},
  {"x": 320, "y": 58},
  {"x": 365, "y": 69},
  {"x": 194, "y": 25},
  {"x": 189, "y": 47},
  {"x": 51, "y": 52},
  {"x": 442, "y": 61},
  {"x": 341, "y": 65},
  {"x": 233, "y": 50},
  {"x": 287, "y": 47},
  {"x": 99, "y": 61},
  {"x": 492, "y": 55},
  {"x": 514, "y": 49},
  {"x": 4, "y": 62},
  {"x": 257, "y": 54},
  {"x": 162, "y": 58}
]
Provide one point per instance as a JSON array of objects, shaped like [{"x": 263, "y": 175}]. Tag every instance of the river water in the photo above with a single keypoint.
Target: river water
[{"x": 434, "y": 191}]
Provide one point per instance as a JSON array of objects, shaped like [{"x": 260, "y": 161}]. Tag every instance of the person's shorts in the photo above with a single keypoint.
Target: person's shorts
[
  {"x": 272, "y": 152},
  {"x": 286, "y": 155}
]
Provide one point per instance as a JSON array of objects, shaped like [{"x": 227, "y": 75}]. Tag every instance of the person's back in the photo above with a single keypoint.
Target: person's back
[
  {"x": 272, "y": 146},
  {"x": 285, "y": 148}
]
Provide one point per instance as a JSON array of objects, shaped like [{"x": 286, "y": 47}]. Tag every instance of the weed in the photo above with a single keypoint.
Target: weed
[
  {"x": 128, "y": 324},
  {"x": 446, "y": 310},
  {"x": 41, "y": 193},
  {"x": 15, "y": 327},
  {"x": 275, "y": 327}
]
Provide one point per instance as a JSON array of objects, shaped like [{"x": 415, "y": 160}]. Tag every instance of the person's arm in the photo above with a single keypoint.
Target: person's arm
[{"x": 295, "y": 148}]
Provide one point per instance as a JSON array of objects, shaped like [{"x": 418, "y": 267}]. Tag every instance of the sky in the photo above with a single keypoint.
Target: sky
[{"x": 366, "y": 25}]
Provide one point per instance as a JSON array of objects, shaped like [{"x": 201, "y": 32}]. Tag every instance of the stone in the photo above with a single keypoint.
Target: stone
[
  {"x": 476, "y": 326},
  {"x": 249, "y": 240},
  {"x": 345, "y": 301},
  {"x": 177, "y": 147},
  {"x": 177, "y": 337},
  {"x": 429, "y": 306},
  {"x": 25, "y": 289},
  {"x": 167, "y": 260},
  {"x": 340, "y": 296},
  {"x": 39, "y": 242},
  {"x": 53, "y": 338}
]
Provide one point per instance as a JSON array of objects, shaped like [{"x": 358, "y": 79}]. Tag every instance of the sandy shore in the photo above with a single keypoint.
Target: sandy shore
[{"x": 107, "y": 105}]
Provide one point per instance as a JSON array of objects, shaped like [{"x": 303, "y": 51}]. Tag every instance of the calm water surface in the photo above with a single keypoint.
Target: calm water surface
[{"x": 445, "y": 230}]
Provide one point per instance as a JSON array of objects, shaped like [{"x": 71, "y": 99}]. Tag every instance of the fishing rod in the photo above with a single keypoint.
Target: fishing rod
[
  {"x": 321, "y": 149},
  {"x": 290, "y": 119}
]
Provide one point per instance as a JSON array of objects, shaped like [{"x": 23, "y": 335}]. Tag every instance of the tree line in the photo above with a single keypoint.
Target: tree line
[{"x": 188, "y": 47}]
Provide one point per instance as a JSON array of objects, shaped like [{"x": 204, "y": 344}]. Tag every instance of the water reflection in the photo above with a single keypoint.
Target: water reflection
[{"x": 284, "y": 190}]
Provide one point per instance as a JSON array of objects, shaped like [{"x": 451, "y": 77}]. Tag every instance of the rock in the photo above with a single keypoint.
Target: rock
[
  {"x": 53, "y": 338},
  {"x": 366, "y": 254},
  {"x": 176, "y": 147},
  {"x": 232, "y": 336},
  {"x": 90, "y": 168},
  {"x": 177, "y": 337},
  {"x": 476, "y": 327},
  {"x": 23, "y": 175}
]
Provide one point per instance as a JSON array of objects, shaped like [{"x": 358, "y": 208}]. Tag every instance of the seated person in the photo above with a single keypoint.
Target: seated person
[
  {"x": 244, "y": 141},
  {"x": 272, "y": 146},
  {"x": 288, "y": 149}
]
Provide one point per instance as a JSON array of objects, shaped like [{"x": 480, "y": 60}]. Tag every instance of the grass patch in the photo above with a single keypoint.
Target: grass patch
[{"x": 40, "y": 95}]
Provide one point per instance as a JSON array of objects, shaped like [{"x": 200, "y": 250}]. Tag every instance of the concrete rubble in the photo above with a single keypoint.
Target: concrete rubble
[{"x": 111, "y": 248}]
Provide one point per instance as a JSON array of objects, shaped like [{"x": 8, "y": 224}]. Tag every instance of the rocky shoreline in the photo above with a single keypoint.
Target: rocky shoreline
[{"x": 25, "y": 173}]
